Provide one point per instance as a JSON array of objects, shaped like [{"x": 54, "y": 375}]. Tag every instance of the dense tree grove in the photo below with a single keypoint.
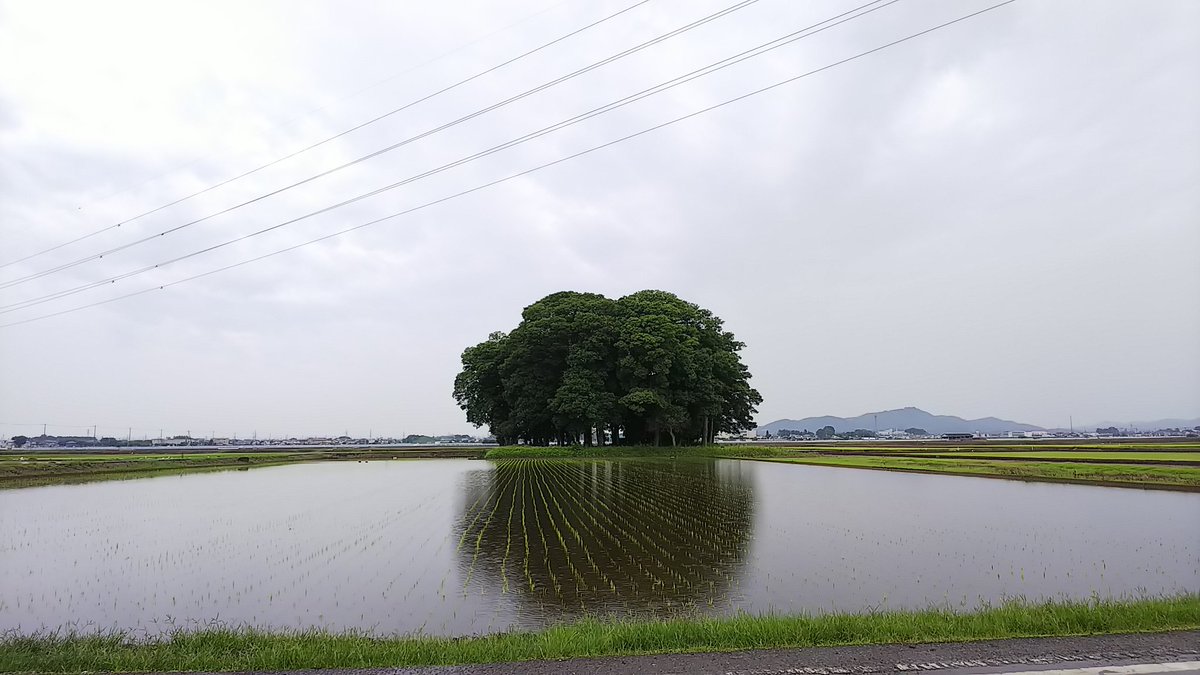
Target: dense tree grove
[{"x": 647, "y": 368}]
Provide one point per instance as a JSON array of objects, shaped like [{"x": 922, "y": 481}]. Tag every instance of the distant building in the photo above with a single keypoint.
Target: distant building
[
  {"x": 44, "y": 441},
  {"x": 958, "y": 437},
  {"x": 177, "y": 440}
]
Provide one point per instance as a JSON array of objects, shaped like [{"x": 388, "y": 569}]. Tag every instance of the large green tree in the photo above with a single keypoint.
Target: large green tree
[{"x": 647, "y": 368}]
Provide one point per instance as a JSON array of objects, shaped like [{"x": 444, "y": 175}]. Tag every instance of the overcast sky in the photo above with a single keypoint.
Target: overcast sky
[{"x": 999, "y": 218}]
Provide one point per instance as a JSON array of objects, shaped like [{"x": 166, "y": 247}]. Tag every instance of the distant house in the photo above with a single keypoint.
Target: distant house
[
  {"x": 44, "y": 441},
  {"x": 958, "y": 437},
  {"x": 175, "y": 440}
]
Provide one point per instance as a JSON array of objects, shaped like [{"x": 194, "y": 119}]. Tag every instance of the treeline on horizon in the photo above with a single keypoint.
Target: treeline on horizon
[{"x": 648, "y": 368}]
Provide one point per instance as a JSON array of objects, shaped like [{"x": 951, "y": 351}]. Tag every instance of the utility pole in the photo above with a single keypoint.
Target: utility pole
[
  {"x": 129, "y": 438},
  {"x": 43, "y": 429}
]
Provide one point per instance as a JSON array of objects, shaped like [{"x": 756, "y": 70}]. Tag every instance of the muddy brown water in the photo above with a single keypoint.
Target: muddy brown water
[{"x": 457, "y": 547}]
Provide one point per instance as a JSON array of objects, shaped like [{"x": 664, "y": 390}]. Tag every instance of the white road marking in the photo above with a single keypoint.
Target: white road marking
[{"x": 1138, "y": 669}]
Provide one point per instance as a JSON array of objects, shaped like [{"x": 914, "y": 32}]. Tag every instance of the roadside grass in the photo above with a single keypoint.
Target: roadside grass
[
  {"x": 256, "y": 650},
  {"x": 1136, "y": 475}
]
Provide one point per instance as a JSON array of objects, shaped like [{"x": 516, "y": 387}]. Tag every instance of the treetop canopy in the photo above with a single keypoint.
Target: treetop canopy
[{"x": 645, "y": 368}]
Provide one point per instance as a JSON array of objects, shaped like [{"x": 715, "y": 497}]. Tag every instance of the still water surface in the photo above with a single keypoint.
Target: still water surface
[{"x": 455, "y": 547}]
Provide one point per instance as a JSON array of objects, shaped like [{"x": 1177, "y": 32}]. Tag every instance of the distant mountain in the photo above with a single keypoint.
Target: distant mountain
[
  {"x": 1149, "y": 425},
  {"x": 904, "y": 418}
]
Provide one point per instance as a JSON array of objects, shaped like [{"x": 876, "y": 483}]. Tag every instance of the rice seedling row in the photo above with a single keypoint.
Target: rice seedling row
[{"x": 461, "y": 547}]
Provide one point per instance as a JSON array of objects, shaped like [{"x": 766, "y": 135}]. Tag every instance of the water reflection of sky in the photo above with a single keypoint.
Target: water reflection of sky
[{"x": 439, "y": 546}]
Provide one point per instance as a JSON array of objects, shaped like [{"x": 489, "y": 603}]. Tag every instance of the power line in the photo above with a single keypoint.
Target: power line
[
  {"x": 340, "y": 134},
  {"x": 518, "y": 174},
  {"x": 645, "y": 93},
  {"x": 429, "y": 132},
  {"x": 301, "y": 116}
]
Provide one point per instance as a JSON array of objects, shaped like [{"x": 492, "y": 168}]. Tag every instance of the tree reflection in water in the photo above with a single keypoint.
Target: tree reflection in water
[{"x": 565, "y": 538}]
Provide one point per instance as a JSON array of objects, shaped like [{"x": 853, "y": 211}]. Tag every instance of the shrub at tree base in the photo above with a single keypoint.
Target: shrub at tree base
[{"x": 648, "y": 368}]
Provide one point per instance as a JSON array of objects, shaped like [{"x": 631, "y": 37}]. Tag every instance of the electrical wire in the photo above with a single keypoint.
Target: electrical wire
[
  {"x": 310, "y": 111},
  {"x": 518, "y": 174},
  {"x": 645, "y": 93},
  {"x": 429, "y": 132},
  {"x": 337, "y": 135}
]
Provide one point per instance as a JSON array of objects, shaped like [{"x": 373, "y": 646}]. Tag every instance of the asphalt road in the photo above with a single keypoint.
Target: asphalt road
[{"x": 1141, "y": 654}]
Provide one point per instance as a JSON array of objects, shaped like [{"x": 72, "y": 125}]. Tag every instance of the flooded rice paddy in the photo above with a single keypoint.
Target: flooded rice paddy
[{"x": 456, "y": 547}]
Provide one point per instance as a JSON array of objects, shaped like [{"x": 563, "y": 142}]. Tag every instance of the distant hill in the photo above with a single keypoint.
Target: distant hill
[
  {"x": 904, "y": 418},
  {"x": 1150, "y": 425}
]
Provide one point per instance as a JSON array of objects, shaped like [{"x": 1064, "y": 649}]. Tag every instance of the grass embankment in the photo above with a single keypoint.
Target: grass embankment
[
  {"x": 34, "y": 471},
  {"x": 1113, "y": 456},
  {"x": 1091, "y": 466},
  {"x": 62, "y": 468},
  {"x": 251, "y": 650},
  {"x": 1055, "y": 466},
  {"x": 1136, "y": 475},
  {"x": 1008, "y": 446}
]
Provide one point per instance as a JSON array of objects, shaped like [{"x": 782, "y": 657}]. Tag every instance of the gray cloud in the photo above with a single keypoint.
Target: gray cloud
[{"x": 997, "y": 219}]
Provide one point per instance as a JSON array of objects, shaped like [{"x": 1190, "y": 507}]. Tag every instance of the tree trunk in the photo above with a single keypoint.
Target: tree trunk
[{"x": 671, "y": 431}]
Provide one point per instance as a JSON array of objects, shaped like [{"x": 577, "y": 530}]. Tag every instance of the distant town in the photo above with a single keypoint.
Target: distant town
[
  {"x": 68, "y": 442},
  {"x": 826, "y": 433}
]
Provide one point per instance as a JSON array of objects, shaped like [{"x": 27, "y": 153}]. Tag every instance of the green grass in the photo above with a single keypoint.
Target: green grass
[
  {"x": 249, "y": 649},
  {"x": 1112, "y": 474},
  {"x": 1111, "y": 456},
  {"x": 137, "y": 457},
  {"x": 52, "y": 467},
  {"x": 1044, "y": 464},
  {"x": 62, "y": 468},
  {"x": 979, "y": 446},
  {"x": 964, "y": 463},
  {"x": 1030, "y": 446}
]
